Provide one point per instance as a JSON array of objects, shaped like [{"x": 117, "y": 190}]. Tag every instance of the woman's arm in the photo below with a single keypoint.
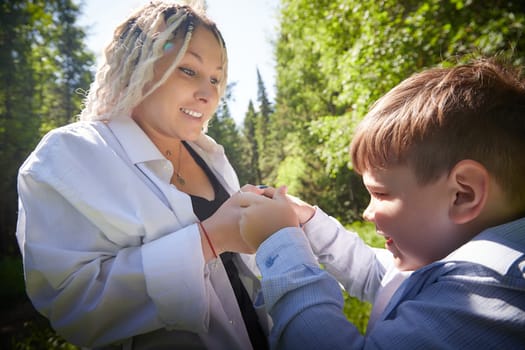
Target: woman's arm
[{"x": 103, "y": 257}]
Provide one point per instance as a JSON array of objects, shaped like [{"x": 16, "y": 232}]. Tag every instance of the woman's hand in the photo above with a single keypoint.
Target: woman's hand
[
  {"x": 223, "y": 226},
  {"x": 263, "y": 216}
]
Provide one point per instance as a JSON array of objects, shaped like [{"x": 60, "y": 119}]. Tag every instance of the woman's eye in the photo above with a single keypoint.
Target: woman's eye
[
  {"x": 187, "y": 71},
  {"x": 214, "y": 81}
]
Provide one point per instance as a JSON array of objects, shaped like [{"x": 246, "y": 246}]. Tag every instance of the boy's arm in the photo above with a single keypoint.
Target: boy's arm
[
  {"x": 343, "y": 253},
  {"x": 304, "y": 301},
  {"x": 357, "y": 266}
]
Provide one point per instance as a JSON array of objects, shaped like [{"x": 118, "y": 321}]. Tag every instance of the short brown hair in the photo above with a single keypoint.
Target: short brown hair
[{"x": 440, "y": 116}]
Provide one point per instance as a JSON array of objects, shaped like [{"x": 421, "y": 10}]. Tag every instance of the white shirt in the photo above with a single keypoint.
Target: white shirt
[
  {"x": 111, "y": 249},
  {"x": 365, "y": 272}
]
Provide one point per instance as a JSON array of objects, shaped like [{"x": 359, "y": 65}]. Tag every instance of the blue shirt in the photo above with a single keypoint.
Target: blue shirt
[{"x": 472, "y": 299}]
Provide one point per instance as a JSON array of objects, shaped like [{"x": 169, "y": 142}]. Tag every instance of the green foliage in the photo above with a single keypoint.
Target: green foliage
[
  {"x": 289, "y": 172},
  {"x": 251, "y": 147},
  {"x": 258, "y": 147},
  {"x": 32, "y": 333},
  {"x": 367, "y": 231},
  {"x": 223, "y": 129},
  {"x": 43, "y": 62},
  {"x": 336, "y": 57},
  {"x": 37, "y": 334},
  {"x": 12, "y": 276},
  {"x": 356, "y": 311}
]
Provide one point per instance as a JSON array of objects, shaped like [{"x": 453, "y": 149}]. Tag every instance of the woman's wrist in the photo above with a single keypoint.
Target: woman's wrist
[
  {"x": 209, "y": 246},
  {"x": 208, "y": 240}
]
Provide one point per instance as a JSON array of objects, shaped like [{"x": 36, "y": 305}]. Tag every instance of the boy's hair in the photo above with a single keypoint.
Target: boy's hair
[
  {"x": 438, "y": 117},
  {"x": 126, "y": 76}
]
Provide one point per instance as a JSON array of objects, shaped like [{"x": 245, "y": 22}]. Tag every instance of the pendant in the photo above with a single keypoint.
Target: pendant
[{"x": 180, "y": 180}]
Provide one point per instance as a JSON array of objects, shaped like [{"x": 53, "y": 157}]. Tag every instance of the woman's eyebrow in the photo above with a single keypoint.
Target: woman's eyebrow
[{"x": 199, "y": 58}]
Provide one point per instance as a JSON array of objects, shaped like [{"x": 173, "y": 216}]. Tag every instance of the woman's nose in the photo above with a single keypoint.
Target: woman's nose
[{"x": 205, "y": 91}]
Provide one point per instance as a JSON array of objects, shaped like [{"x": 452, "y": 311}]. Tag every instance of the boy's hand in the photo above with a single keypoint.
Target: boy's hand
[
  {"x": 303, "y": 210},
  {"x": 262, "y": 216}
]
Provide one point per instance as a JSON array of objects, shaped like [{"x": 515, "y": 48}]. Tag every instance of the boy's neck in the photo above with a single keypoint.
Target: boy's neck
[{"x": 498, "y": 210}]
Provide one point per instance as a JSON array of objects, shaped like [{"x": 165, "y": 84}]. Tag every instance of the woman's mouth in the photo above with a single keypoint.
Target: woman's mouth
[{"x": 191, "y": 113}]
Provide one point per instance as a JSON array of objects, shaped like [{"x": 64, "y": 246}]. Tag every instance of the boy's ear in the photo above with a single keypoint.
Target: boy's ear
[{"x": 470, "y": 184}]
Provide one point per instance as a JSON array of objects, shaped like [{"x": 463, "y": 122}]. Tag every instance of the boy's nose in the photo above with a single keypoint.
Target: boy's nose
[{"x": 368, "y": 214}]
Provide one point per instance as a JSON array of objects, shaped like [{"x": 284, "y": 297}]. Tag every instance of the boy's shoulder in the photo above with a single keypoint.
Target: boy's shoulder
[{"x": 497, "y": 248}]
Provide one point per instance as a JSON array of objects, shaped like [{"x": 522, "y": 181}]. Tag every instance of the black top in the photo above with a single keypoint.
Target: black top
[{"x": 204, "y": 208}]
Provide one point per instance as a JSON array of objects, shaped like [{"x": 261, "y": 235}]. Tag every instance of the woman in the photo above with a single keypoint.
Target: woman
[{"x": 124, "y": 214}]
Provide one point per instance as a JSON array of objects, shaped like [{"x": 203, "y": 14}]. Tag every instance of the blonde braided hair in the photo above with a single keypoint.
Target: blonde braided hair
[{"x": 126, "y": 75}]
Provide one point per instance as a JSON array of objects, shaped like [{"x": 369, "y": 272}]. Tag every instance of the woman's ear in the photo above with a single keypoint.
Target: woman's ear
[{"x": 470, "y": 184}]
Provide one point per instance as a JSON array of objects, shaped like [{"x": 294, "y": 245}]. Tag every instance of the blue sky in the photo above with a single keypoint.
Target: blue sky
[{"x": 248, "y": 27}]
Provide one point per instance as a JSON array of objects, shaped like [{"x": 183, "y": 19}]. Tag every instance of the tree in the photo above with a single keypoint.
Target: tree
[
  {"x": 224, "y": 130},
  {"x": 67, "y": 50},
  {"x": 43, "y": 61},
  {"x": 335, "y": 57},
  {"x": 262, "y": 130},
  {"x": 18, "y": 126},
  {"x": 251, "y": 146}
]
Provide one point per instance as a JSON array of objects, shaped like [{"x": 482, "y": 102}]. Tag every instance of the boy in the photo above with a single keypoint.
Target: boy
[{"x": 441, "y": 155}]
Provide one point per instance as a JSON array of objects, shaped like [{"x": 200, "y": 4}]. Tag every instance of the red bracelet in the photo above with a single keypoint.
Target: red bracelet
[{"x": 208, "y": 239}]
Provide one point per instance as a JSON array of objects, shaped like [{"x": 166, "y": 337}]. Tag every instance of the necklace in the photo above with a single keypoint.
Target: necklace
[{"x": 181, "y": 181}]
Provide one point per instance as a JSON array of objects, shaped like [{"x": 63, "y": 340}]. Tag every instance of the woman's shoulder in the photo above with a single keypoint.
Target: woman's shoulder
[
  {"x": 79, "y": 131},
  {"x": 65, "y": 143}
]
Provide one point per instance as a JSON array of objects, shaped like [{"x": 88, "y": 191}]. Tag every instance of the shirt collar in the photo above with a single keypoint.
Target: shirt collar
[
  {"x": 134, "y": 141},
  {"x": 497, "y": 248}
]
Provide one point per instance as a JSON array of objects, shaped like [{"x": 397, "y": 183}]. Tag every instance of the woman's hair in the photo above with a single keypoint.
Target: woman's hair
[
  {"x": 126, "y": 76},
  {"x": 441, "y": 116}
]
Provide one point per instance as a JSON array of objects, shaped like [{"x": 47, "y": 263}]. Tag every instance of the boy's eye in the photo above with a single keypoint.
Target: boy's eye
[
  {"x": 379, "y": 194},
  {"x": 214, "y": 81}
]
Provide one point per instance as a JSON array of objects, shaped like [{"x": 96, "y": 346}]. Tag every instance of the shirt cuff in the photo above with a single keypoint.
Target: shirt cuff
[
  {"x": 174, "y": 271},
  {"x": 286, "y": 248},
  {"x": 287, "y": 263}
]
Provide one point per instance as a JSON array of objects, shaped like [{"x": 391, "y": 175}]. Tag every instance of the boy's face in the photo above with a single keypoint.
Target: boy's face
[{"x": 414, "y": 219}]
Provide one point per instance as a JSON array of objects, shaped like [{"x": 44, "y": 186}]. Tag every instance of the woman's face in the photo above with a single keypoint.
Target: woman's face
[{"x": 181, "y": 106}]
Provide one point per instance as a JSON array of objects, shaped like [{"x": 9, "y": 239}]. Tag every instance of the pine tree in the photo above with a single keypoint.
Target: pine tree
[
  {"x": 251, "y": 145},
  {"x": 223, "y": 129},
  {"x": 43, "y": 61},
  {"x": 262, "y": 130}
]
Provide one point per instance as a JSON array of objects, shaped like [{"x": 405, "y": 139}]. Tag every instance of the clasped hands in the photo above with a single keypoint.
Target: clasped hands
[{"x": 253, "y": 214}]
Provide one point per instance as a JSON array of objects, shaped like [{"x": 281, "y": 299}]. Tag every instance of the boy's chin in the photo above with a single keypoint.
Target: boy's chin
[{"x": 404, "y": 264}]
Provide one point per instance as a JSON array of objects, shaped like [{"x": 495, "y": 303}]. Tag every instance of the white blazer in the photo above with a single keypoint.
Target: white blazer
[{"x": 111, "y": 250}]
